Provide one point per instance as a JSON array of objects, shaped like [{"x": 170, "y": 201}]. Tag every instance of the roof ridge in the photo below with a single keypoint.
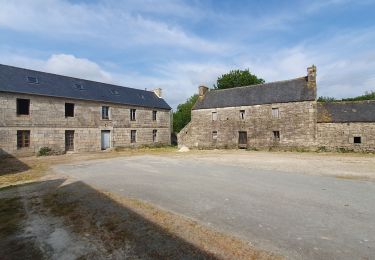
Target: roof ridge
[
  {"x": 266, "y": 83},
  {"x": 60, "y": 75}
]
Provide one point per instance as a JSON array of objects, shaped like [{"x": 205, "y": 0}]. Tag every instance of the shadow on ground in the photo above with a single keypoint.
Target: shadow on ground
[
  {"x": 121, "y": 231},
  {"x": 10, "y": 164}
]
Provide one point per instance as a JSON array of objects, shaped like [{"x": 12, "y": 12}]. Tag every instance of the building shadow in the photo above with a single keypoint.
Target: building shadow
[
  {"x": 116, "y": 225},
  {"x": 10, "y": 164}
]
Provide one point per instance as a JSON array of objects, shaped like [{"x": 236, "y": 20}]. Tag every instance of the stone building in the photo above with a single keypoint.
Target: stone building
[
  {"x": 282, "y": 114},
  {"x": 39, "y": 109}
]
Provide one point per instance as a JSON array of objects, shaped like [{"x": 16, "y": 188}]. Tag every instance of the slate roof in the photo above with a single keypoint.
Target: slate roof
[
  {"x": 346, "y": 111},
  {"x": 13, "y": 79},
  {"x": 293, "y": 90}
]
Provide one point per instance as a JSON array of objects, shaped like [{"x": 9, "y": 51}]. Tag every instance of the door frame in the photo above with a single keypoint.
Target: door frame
[
  {"x": 241, "y": 144},
  {"x": 69, "y": 146},
  {"x": 102, "y": 134}
]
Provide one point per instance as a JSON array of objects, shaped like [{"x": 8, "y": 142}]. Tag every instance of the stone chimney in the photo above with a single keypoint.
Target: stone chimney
[
  {"x": 311, "y": 76},
  {"x": 158, "y": 92},
  {"x": 202, "y": 90}
]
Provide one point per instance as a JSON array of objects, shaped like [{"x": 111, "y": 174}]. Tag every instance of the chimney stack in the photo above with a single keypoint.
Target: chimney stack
[
  {"x": 158, "y": 92},
  {"x": 202, "y": 90},
  {"x": 311, "y": 75}
]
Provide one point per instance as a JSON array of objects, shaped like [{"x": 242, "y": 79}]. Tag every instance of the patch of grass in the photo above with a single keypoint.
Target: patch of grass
[{"x": 11, "y": 215}]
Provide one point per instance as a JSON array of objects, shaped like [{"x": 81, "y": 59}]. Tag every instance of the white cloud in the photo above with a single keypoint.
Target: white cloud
[
  {"x": 108, "y": 24},
  {"x": 76, "y": 67}
]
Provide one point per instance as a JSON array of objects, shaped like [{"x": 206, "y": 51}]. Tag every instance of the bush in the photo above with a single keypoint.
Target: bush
[{"x": 45, "y": 151}]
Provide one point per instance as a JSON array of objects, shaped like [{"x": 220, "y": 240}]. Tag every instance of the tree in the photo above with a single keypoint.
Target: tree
[
  {"x": 237, "y": 78},
  {"x": 183, "y": 114}
]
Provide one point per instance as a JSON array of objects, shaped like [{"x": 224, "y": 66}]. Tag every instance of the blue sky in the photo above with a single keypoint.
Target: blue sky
[{"x": 178, "y": 45}]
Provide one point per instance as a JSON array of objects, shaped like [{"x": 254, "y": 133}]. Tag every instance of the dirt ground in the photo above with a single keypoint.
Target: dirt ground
[{"x": 45, "y": 216}]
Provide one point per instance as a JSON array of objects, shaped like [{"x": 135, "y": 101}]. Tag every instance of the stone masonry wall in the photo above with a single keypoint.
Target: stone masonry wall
[
  {"x": 47, "y": 123},
  {"x": 333, "y": 136},
  {"x": 296, "y": 124}
]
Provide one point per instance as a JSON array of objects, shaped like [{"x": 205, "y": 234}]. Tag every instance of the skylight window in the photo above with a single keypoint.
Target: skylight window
[
  {"x": 32, "y": 80},
  {"x": 114, "y": 92},
  {"x": 79, "y": 86}
]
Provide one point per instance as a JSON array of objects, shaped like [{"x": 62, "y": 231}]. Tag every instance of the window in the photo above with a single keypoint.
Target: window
[
  {"x": 276, "y": 136},
  {"x": 357, "y": 139},
  {"x": 23, "y": 138},
  {"x": 132, "y": 114},
  {"x": 214, "y": 116},
  {"x": 242, "y": 114},
  {"x": 214, "y": 135},
  {"x": 154, "y": 115},
  {"x": 114, "y": 92},
  {"x": 154, "y": 133},
  {"x": 69, "y": 110},
  {"x": 133, "y": 136},
  {"x": 105, "y": 112},
  {"x": 23, "y": 106},
  {"x": 79, "y": 86},
  {"x": 275, "y": 113},
  {"x": 32, "y": 80}
]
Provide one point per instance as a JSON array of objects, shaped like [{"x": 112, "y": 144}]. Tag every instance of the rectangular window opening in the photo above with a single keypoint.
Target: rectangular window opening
[
  {"x": 214, "y": 116},
  {"x": 32, "y": 80},
  {"x": 23, "y": 138},
  {"x": 69, "y": 110},
  {"x": 242, "y": 114},
  {"x": 154, "y": 115},
  {"x": 275, "y": 113},
  {"x": 357, "y": 139},
  {"x": 105, "y": 112},
  {"x": 133, "y": 136},
  {"x": 23, "y": 106},
  {"x": 276, "y": 136},
  {"x": 79, "y": 86},
  {"x": 132, "y": 114},
  {"x": 214, "y": 135},
  {"x": 154, "y": 135}
]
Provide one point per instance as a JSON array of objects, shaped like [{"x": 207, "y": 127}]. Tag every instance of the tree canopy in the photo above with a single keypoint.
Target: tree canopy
[
  {"x": 183, "y": 114},
  {"x": 237, "y": 78}
]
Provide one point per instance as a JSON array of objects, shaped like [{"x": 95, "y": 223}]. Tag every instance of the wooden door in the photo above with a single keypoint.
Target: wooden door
[
  {"x": 69, "y": 140},
  {"x": 242, "y": 139}
]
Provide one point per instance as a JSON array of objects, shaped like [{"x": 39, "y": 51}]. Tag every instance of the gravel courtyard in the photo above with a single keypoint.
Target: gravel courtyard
[{"x": 300, "y": 205}]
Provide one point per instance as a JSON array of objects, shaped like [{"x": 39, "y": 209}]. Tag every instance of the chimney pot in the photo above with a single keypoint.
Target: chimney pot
[
  {"x": 202, "y": 90},
  {"x": 158, "y": 92}
]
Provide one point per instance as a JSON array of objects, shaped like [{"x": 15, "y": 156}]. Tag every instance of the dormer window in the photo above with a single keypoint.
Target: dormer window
[{"x": 32, "y": 80}]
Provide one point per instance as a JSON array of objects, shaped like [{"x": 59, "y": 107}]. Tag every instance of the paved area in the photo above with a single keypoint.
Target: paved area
[{"x": 301, "y": 216}]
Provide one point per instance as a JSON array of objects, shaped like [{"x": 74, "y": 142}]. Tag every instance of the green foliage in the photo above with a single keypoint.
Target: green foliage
[
  {"x": 326, "y": 99},
  {"x": 367, "y": 96},
  {"x": 183, "y": 114},
  {"x": 237, "y": 78},
  {"x": 44, "y": 151}
]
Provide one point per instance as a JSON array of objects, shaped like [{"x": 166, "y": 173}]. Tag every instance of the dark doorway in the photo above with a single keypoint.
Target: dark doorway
[
  {"x": 242, "y": 139},
  {"x": 69, "y": 140}
]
